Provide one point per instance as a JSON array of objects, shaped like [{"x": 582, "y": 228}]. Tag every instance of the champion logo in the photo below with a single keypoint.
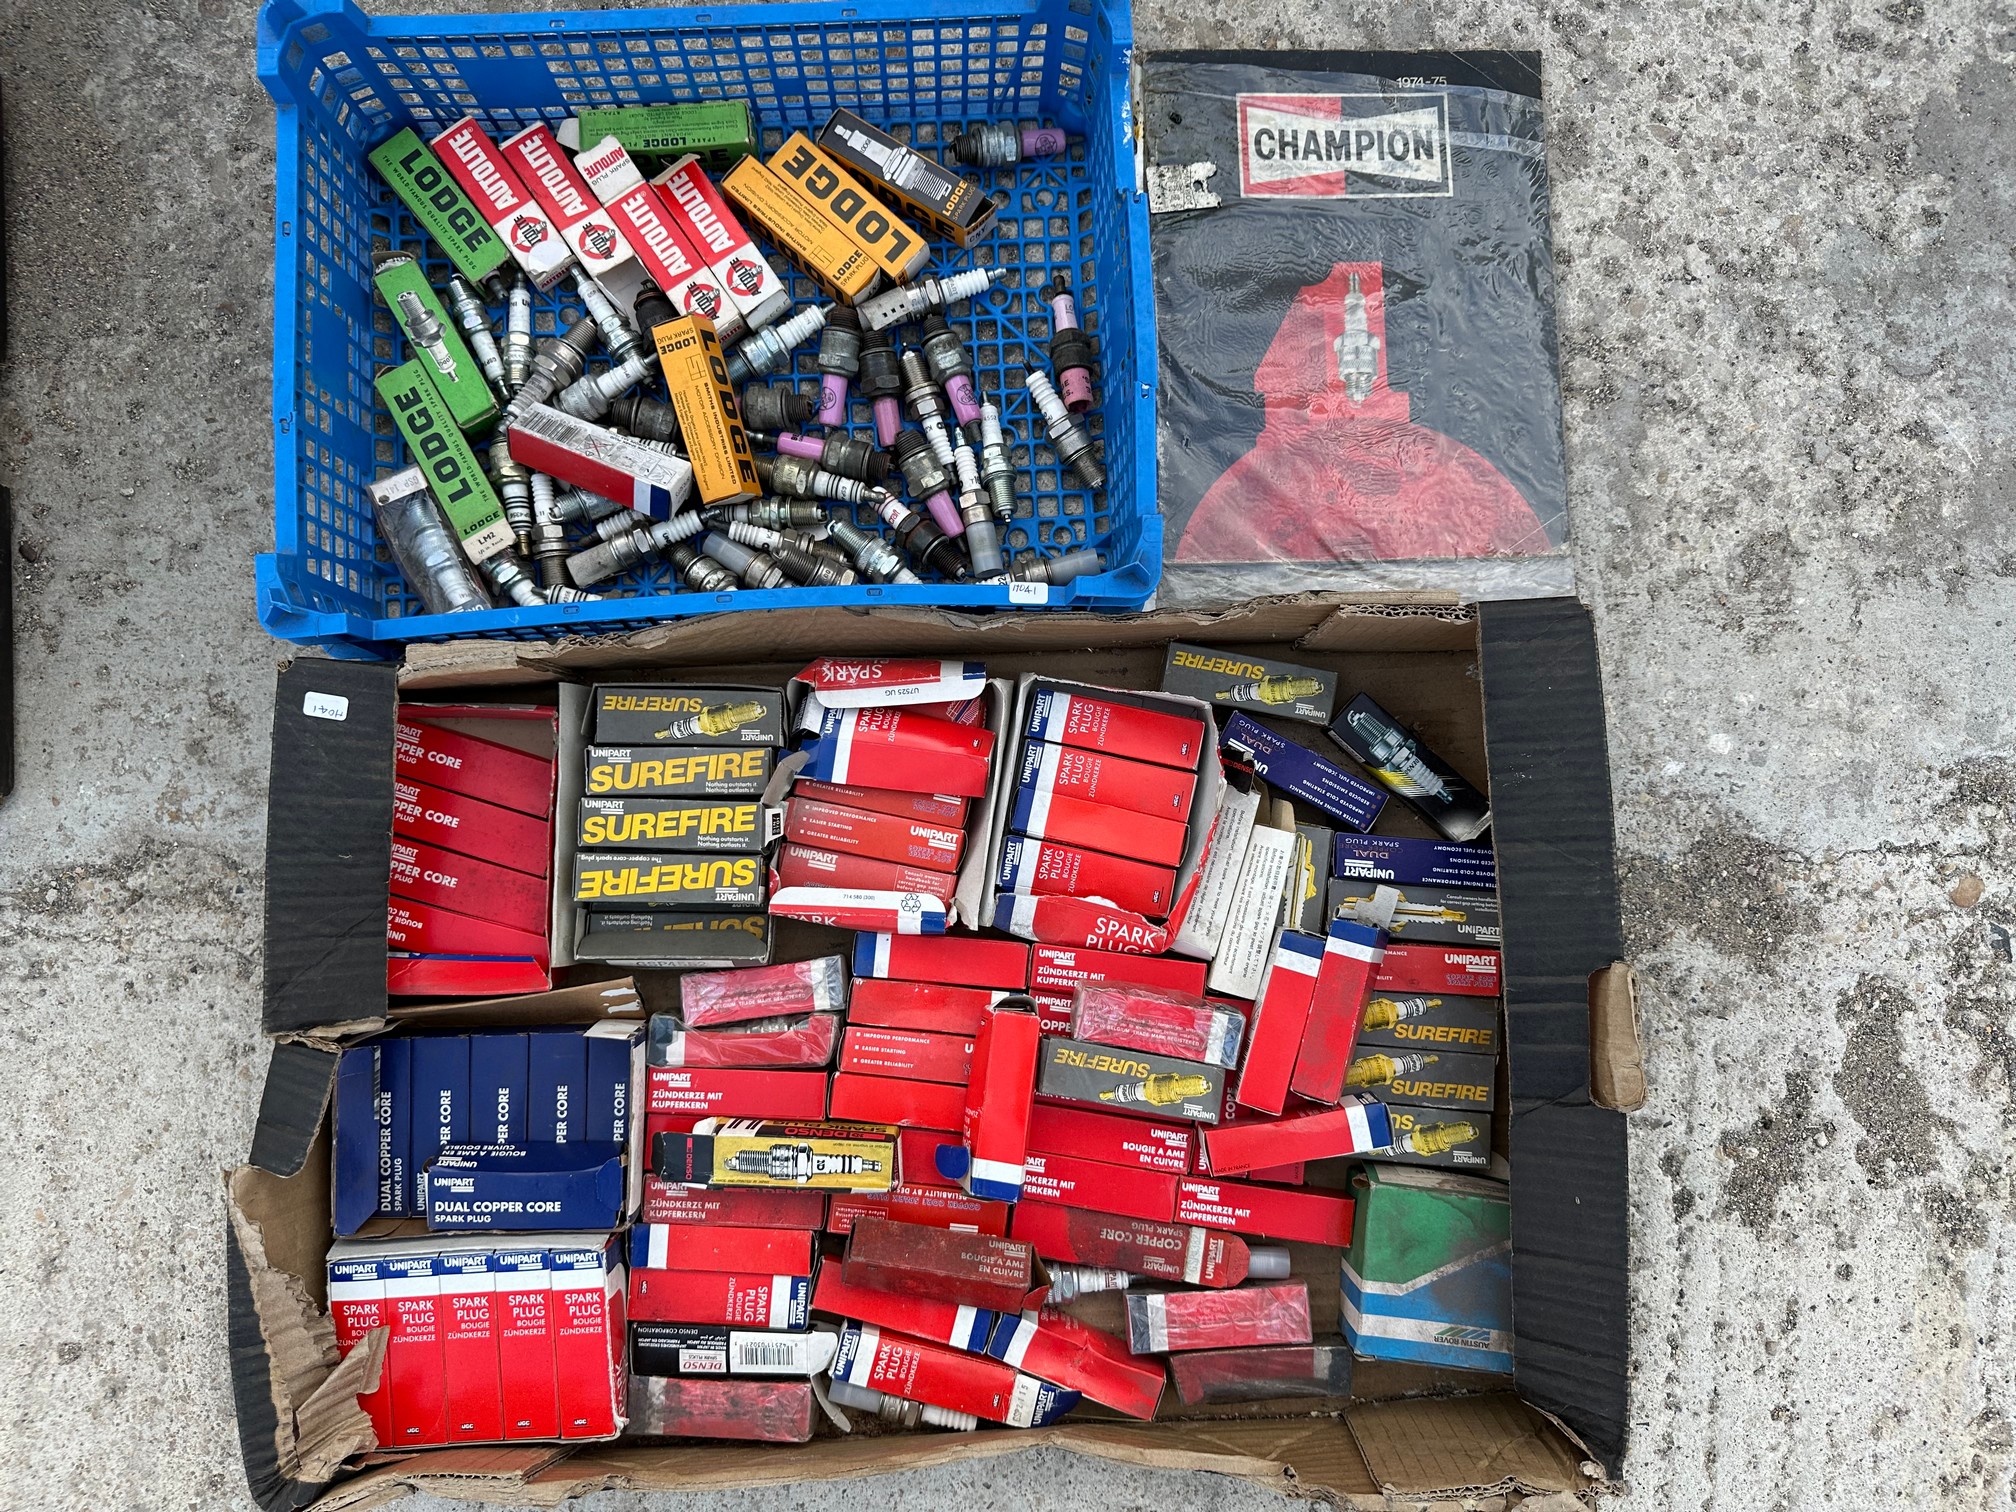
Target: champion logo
[{"x": 1354, "y": 146}]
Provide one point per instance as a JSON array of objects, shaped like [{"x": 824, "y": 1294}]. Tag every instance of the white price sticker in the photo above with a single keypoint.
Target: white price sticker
[
  {"x": 326, "y": 706},
  {"x": 1028, "y": 593}
]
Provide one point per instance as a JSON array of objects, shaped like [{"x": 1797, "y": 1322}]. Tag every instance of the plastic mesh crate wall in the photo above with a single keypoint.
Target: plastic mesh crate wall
[{"x": 343, "y": 82}]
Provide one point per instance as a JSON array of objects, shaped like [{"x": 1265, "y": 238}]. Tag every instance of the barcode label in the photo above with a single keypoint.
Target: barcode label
[{"x": 754, "y": 1353}]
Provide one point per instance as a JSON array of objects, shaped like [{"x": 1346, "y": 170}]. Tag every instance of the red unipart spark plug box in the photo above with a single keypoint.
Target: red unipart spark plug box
[
  {"x": 1158, "y": 1322},
  {"x": 1041, "y": 867},
  {"x": 717, "y": 1247},
  {"x": 1127, "y": 1190},
  {"x": 483, "y": 890},
  {"x": 863, "y": 832},
  {"x": 425, "y": 929},
  {"x": 875, "y": 1051},
  {"x": 925, "y": 808},
  {"x": 1053, "y": 1013},
  {"x": 801, "y": 1044},
  {"x": 1138, "y": 728},
  {"x": 918, "y": 1316},
  {"x": 921, "y": 1005},
  {"x": 709, "y": 1093},
  {"x": 744, "y": 1207},
  {"x": 1159, "y": 1251},
  {"x": 755, "y": 1411},
  {"x": 973, "y": 1270},
  {"x": 1086, "y": 1135},
  {"x": 1049, "y": 772},
  {"x": 918, "y": 1157},
  {"x": 1054, "y": 1346},
  {"x": 1279, "y": 1020},
  {"x": 1100, "y": 827},
  {"x": 993, "y": 1148},
  {"x": 470, "y": 827},
  {"x": 901, "y": 748},
  {"x": 1270, "y": 1212},
  {"x": 462, "y": 763},
  {"x": 932, "y": 1206},
  {"x": 753, "y": 1301},
  {"x": 1257, "y": 1145},
  {"x": 954, "y": 960},
  {"x": 890, "y": 1100},
  {"x": 1351, "y": 955},
  {"x": 1459, "y": 971},
  {"x": 808, "y": 866},
  {"x": 1058, "y": 969}
]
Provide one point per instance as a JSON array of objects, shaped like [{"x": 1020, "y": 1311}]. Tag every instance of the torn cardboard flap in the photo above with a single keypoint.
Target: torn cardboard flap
[
  {"x": 1616, "y": 1056},
  {"x": 1455, "y": 1446}
]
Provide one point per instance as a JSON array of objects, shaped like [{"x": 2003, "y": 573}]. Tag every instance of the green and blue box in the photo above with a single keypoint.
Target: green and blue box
[{"x": 1428, "y": 1277}]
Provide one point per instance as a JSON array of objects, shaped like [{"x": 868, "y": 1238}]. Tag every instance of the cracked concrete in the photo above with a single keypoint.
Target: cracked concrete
[{"x": 1783, "y": 239}]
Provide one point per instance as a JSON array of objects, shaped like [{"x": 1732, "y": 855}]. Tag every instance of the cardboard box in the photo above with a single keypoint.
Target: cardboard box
[
  {"x": 685, "y": 714},
  {"x": 427, "y": 929},
  {"x": 1301, "y": 773},
  {"x": 1115, "y": 725},
  {"x": 1426, "y": 1079},
  {"x": 902, "y": 748},
  {"x": 1354, "y": 1127},
  {"x": 711, "y": 228},
  {"x": 1406, "y": 862},
  {"x": 417, "y": 311},
  {"x": 487, "y": 831},
  {"x": 657, "y": 234},
  {"x": 780, "y": 1153},
  {"x": 711, "y": 1093},
  {"x": 821, "y": 251},
  {"x": 1058, "y": 1347},
  {"x": 1306, "y": 1217},
  {"x": 439, "y": 204},
  {"x": 695, "y": 371},
  {"x": 1130, "y": 1081},
  {"x": 700, "y": 1349},
  {"x": 928, "y": 1006},
  {"x": 950, "y": 204},
  {"x": 1280, "y": 1019},
  {"x": 1158, "y": 1322},
  {"x": 933, "y": 1206},
  {"x": 428, "y": 874},
  {"x": 934, "y": 685},
  {"x": 672, "y": 772},
  {"x": 953, "y": 960},
  {"x": 1060, "y": 969},
  {"x": 953, "y": 1379},
  {"x": 1444, "y": 1137},
  {"x": 1427, "y": 915},
  {"x": 1528, "y": 671},
  {"x": 1351, "y": 955},
  {"x": 967, "y": 1328},
  {"x": 1428, "y": 1277},
  {"x": 723, "y": 1299},
  {"x": 674, "y": 824},
  {"x": 1396, "y": 756},
  {"x": 1162, "y": 1023},
  {"x": 748, "y": 1207},
  {"x": 1048, "y": 770},
  {"x": 1086, "y": 1135},
  {"x": 971, "y": 1270},
  {"x": 716, "y": 1247},
  {"x": 764, "y": 1412},
  {"x": 800, "y": 1044},
  {"x": 1277, "y": 689},
  {"x": 1095, "y": 826},
  {"x": 474, "y": 162},
  {"x": 875, "y": 1051},
  {"x": 1158, "y": 1251},
  {"x": 1217, "y": 885},
  {"x": 898, "y": 250},
  {"x": 1413, "y": 1022},
  {"x": 663, "y": 939},
  {"x": 895, "y": 1100},
  {"x": 925, "y": 808},
  {"x": 530, "y": 1187},
  {"x": 1210, "y": 1377},
  {"x": 710, "y": 999}
]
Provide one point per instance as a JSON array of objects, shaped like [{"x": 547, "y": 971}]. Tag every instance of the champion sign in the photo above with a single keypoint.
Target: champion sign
[{"x": 1377, "y": 146}]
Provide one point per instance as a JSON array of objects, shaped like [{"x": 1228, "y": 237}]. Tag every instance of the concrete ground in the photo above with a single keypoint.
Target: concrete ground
[{"x": 1784, "y": 244}]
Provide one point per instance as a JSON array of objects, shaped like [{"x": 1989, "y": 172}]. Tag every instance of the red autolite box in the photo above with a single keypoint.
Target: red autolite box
[{"x": 875, "y": 1051}]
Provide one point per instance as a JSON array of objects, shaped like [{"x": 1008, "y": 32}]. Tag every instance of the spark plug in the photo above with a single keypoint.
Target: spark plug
[
  {"x": 912, "y": 301},
  {"x": 1070, "y": 348},
  {"x": 778, "y": 514},
  {"x": 701, "y": 574},
  {"x": 839, "y": 362},
  {"x": 1083, "y": 562},
  {"x": 514, "y": 483},
  {"x": 1003, "y": 144},
  {"x": 1071, "y": 1281},
  {"x": 650, "y": 310},
  {"x": 795, "y": 478},
  {"x": 557, "y": 362},
  {"x": 518, "y": 336},
  {"x": 871, "y": 554},
  {"x": 837, "y": 454},
  {"x": 591, "y": 398},
  {"x": 882, "y": 383},
  {"x": 774, "y": 407},
  {"x": 822, "y": 544},
  {"x": 806, "y": 567},
  {"x": 549, "y": 533},
  {"x": 1436, "y": 1138},
  {"x": 1069, "y": 439},
  {"x": 920, "y": 392},
  {"x": 627, "y": 548},
  {"x": 899, "y": 1411},
  {"x": 642, "y": 416},
  {"x": 618, "y": 335},
  {"x": 983, "y": 537},
  {"x": 953, "y": 369},
  {"x": 1356, "y": 347},
  {"x": 770, "y": 348},
  {"x": 754, "y": 568},
  {"x": 473, "y": 320},
  {"x": 573, "y": 505},
  {"x": 925, "y": 478},
  {"x": 996, "y": 472},
  {"x": 562, "y": 594},
  {"x": 508, "y": 576},
  {"x": 425, "y": 550},
  {"x": 925, "y": 542},
  {"x": 425, "y": 333},
  {"x": 1394, "y": 753}
]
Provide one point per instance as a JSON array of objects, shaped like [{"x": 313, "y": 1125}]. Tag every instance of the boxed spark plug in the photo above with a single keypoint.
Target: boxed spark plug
[
  {"x": 729, "y": 1093},
  {"x": 1128, "y": 1191},
  {"x": 896, "y": 1100},
  {"x": 658, "y": 237},
  {"x": 650, "y": 480},
  {"x": 438, "y": 203},
  {"x": 1279, "y": 689},
  {"x": 830, "y": 1156},
  {"x": 971, "y": 1270},
  {"x": 1351, "y": 955},
  {"x": 844, "y": 682},
  {"x": 1052, "y": 919},
  {"x": 675, "y": 824},
  {"x": 1428, "y": 1277},
  {"x": 712, "y": 229},
  {"x": 908, "y": 1053},
  {"x": 900, "y": 913},
  {"x": 716, "y": 884},
  {"x": 454, "y": 477},
  {"x": 931, "y": 1206},
  {"x": 721, "y": 1299},
  {"x": 714, "y": 1247},
  {"x": 1095, "y": 826},
  {"x": 1103, "y": 1137},
  {"x": 1426, "y": 1078},
  {"x": 428, "y": 874},
  {"x": 524, "y": 1187},
  {"x": 1428, "y": 915},
  {"x": 925, "y": 808},
  {"x": 947, "y": 1378},
  {"x": 673, "y": 714},
  {"x": 1116, "y": 724},
  {"x": 476, "y": 768},
  {"x": 1301, "y": 773},
  {"x": 1057, "y": 1347},
  {"x": 950, "y": 204},
  {"x": 1208, "y": 1377},
  {"x": 416, "y": 311},
  {"x": 1050, "y": 771},
  {"x": 742, "y": 1207},
  {"x": 950, "y": 960},
  {"x": 1163, "y": 1023},
  {"x": 1253, "y": 917},
  {"x": 1309, "y": 879},
  {"x": 884, "y": 837},
  {"x": 754, "y": 1411},
  {"x": 1158, "y": 1322},
  {"x": 1182, "y": 1252},
  {"x": 663, "y": 939},
  {"x": 661, "y": 772},
  {"x": 584, "y": 224},
  {"x": 1353, "y": 1128},
  {"x": 1437, "y": 1137},
  {"x": 1040, "y": 868},
  {"x": 1414, "y": 1022},
  {"x": 902, "y": 749},
  {"x": 468, "y": 154},
  {"x": 700, "y": 1349},
  {"x": 821, "y": 251},
  {"x": 991, "y": 1157},
  {"x": 1428, "y": 784},
  {"x": 805, "y": 866},
  {"x": 928, "y": 1006},
  {"x": 1455, "y": 972},
  {"x": 1407, "y": 863},
  {"x": 735, "y": 997},
  {"x": 895, "y": 248},
  {"x": 1062, "y": 969},
  {"x": 718, "y": 132},
  {"x": 1216, "y": 886},
  {"x": 425, "y": 929},
  {"x": 457, "y": 822},
  {"x": 710, "y": 423},
  {"x": 964, "y": 1328},
  {"x": 805, "y": 1043},
  {"x": 1130, "y": 1081},
  {"x": 1272, "y": 1212},
  {"x": 1280, "y": 1020}
]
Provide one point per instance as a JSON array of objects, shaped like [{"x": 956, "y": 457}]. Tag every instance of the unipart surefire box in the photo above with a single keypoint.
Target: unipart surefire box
[{"x": 1524, "y": 673}]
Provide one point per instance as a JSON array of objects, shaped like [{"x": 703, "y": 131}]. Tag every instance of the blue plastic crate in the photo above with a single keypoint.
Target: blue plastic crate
[{"x": 344, "y": 81}]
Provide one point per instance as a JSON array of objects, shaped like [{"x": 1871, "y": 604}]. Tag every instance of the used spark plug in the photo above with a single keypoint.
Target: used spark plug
[
  {"x": 425, "y": 333},
  {"x": 642, "y": 416},
  {"x": 1059, "y": 570},
  {"x": 1003, "y": 144},
  {"x": 518, "y": 336},
  {"x": 996, "y": 472},
  {"x": 837, "y": 454},
  {"x": 920, "y": 392},
  {"x": 556, "y": 363},
  {"x": 508, "y": 576},
  {"x": 778, "y": 514},
  {"x": 625, "y": 549},
  {"x": 839, "y": 362},
  {"x": 770, "y": 348},
  {"x": 912, "y": 301},
  {"x": 1070, "y": 1281},
  {"x": 882, "y": 383},
  {"x": 514, "y": 483},
  {"x": 899, "y": 1411},
  {"x": 562, "y": 594},
  {"x": 425, "y": 550},
  {"x": 573, "y": 505},
  {"x": 591, "y": 398},
  {"x": 821, "y": 545},
  {"x": 1070, "y": 348},
  {"x": 618, "y": 335},
  {"x": 774, "y": 407},
  {"x": 983, "y": 537},
  {"x": 755, "y": 569},
  {"x": 473, "y": 320},
  {"x": 796, "y": 478},
  {"x": 1377, "y": 1070},
  {"x": 953, "y": 369},
  {"x": 925, "y": 478},
  {"x": 925, "y": 542},
  {"x": 1069, "y": 439},
  {"x": 1356, "y": 347},
  {"x": 1393, "y": 753},
  {"x": 870, "y": 553},
  {"x": 549, "y": 533},
  {"x": 803, "y": 566},
  {"x": 701, "y": 574}
]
